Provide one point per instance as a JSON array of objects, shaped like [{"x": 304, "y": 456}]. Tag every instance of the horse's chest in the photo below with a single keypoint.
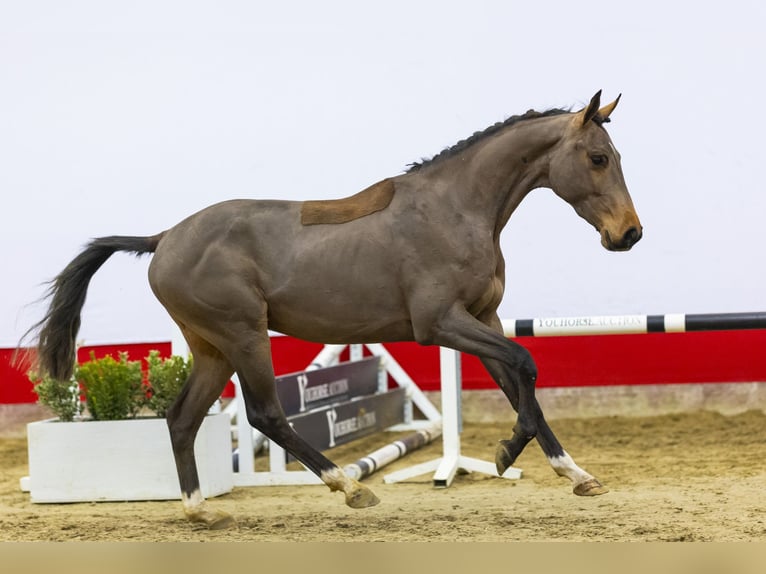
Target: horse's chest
[{"x": 485, "y": 283}]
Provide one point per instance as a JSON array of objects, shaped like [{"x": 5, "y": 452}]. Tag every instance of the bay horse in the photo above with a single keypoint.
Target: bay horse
[{"x": 413, "y": 257}]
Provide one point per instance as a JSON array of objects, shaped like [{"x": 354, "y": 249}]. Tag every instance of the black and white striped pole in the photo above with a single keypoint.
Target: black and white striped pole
[{"x": 632, "y": 324}]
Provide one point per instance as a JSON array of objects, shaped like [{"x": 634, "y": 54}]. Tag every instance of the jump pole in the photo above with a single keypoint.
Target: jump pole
[
  {"x": 376, "y": 460},
  {"x": 632, "y": 324}
]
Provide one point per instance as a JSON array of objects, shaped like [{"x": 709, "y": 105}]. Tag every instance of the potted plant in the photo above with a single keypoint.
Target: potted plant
[
  {"x": 165, "y": 379},
  {"x": 118, "y": 446}
]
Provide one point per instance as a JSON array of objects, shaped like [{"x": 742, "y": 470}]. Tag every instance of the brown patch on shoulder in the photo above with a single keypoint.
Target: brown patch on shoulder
[{"x": 331, "y": 211}]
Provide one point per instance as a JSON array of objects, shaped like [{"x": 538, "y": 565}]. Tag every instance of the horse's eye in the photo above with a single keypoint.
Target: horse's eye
[{"x": 599, "y": 159}]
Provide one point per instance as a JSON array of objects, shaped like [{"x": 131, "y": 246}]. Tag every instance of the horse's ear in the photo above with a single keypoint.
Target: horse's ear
[
  {"x": 608, "y": 109},
  {"x": 590, "y": 112}
]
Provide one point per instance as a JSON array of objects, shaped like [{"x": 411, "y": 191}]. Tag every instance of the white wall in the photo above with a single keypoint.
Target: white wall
[{"x": 123, "y": 120}]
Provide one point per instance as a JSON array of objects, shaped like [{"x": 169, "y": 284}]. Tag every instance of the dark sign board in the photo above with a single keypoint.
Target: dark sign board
[
  {"x": 338, "y": 424},
  {"x": 308, "y": 390}
]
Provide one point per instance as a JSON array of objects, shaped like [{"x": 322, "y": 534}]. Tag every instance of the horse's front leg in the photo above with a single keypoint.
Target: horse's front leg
[
  {"x": 514, "y": 370},
  {"x": 458, "y": 329},
  {"x": 585, "y": 484}
]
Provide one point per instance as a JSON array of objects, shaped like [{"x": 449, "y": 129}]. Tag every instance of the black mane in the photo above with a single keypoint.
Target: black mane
[{"x": 478, "y": 136}]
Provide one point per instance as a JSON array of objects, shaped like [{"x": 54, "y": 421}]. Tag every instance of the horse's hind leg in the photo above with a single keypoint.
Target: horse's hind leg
[
  {"x": 210, "y": 373},
  {"x": 252, "y": 358},
  {"x": 585, "y": 484}
]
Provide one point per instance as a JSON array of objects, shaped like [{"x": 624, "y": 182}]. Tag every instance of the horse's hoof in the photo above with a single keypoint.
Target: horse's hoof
[
  {"x": 503, "y": 457},
  {"x": 590, "y": 487},
  {"x": 361, "y": 497},
  {"x": 222, "y": 521},
  {"x": 213, "y": 519}
]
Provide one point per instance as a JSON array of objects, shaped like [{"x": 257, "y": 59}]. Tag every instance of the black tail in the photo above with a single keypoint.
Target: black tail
[{"x": 58, "y": 329}]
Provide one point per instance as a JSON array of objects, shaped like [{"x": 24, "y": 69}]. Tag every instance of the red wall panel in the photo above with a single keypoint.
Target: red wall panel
[
  {"x": 15, "y": 386},
  {"x": 598, "y": 360}
]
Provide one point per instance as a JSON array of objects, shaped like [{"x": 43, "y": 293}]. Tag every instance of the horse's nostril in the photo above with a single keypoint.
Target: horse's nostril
[{"x": 631, "y": 236}]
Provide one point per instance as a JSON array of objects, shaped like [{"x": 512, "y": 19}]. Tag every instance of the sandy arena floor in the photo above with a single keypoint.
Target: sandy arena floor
[{"x": 690, "y": 477}]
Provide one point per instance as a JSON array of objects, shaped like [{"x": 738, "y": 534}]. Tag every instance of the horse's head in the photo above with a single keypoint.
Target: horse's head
[{"x": 585, "y": 171}]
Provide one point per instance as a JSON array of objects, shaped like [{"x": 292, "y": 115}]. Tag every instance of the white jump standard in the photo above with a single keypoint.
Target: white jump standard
[{"x": 452, "y": 460}]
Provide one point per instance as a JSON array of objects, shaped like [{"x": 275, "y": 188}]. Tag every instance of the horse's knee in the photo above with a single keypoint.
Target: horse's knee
[
  {"x": 528, "y": 369},
  {"x": 525, "y": 427},
  {"x": 525, "y": 365}
]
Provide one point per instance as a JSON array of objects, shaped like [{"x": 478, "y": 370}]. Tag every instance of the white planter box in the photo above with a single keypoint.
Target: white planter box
[{"x": 121, "y": 460}]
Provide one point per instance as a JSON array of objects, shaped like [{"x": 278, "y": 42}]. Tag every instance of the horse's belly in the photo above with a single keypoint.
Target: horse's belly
[
  {"x": 340, "y": 315},
  {"x": 323, "y": 329}
]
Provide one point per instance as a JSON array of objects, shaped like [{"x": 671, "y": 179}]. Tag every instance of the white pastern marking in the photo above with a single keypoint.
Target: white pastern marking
[
  {"x": 565, "y": 466},
  {"x": 336, "y": 479},
  {"x": 194, "y": 501}
]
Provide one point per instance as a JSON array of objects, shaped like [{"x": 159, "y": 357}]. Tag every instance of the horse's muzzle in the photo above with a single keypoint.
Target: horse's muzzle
[{"x": 629, "y": 239}]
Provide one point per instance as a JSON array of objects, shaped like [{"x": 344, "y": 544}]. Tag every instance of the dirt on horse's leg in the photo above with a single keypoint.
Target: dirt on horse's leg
[
  {"x": 197, "y": 510},
  {"x": 357, "y": 494}
]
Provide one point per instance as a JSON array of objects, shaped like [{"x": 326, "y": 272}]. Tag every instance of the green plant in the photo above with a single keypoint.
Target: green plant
[
  {"x": 113, "y": 389},
  {"x": 62, "y": 397},
  {"x": 166, "y": 377}
]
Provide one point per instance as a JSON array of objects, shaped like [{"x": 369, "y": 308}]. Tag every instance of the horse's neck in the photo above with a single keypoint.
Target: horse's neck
[{"x": 492, "y": 177}]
